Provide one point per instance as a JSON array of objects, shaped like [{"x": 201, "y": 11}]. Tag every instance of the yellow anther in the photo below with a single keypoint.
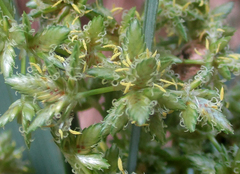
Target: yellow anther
[
  {"x": 219, "y": 29},
  {"x": 179, "y": 41},
  {"x": 222, "y": 93},
  {"x": 127, "y": 88},
  {"x": 158, "y": 65},
  {"x": 116, "y": 8},
  {"x": 125, "y": 84},
  {"x": 37, "y": 67},
  {"x": 76, "y": 8},
  {"x": 196, "y": 51},
  {"x": 207, "y": 44},
  {"x": 174, "y": 3},
  {"x": 128, "y": 59},
  {"x": 201, "y": 3},
  {"x": 115, "y": 50},
  {"x": 74, "y": 20},
  {"x": 68, "y": 51},
  {"x": 84, "y": 67},
  {"x": 74, "y": 37},
  {"x": 148, "y": 53},
  {"x": 227, "y": 105},
  {"x": 186, "y": 6},
  {"x": 137, "y": 15},
  {"x": 121, "y": 69},
  {"x": 161, "y": 88},
  {"x": 120, "y": 166},
  {"x": 180, "y": 84},
  {"x": 154, "y": 54},
  {"x": 125, "y": 63},
  {"x": 117, "y": 63},
  {"x": 166, "y": 81},
  {"x": 115, "y": 56},
  {"x": 88, "y": 11},
  {"x": 204, "y": 112},
  {"x": 224, "y": 58},
  {"x": 109, "y": 17},
  {"x": 235, "y": 56},
  {"x": 201, "y": 35},
  {"x": 175, "y": 84},
  {"x": 170, "y": 111},
  {"x": 84, "y": 45},
  {"x": 61, "y": 133},
  {"x": 164, "y": 114},
  {"x": 58, "y": 2},
  {"x": 82, "y": 56},
  {"x": 171, "y": 33},
  {"x": 74, "y": 132},
  {"x": 214, "y": 107},
  {"x": 133, "y": 122},
  {"x": 59, "y": 58},
  {"x": 109, "y": 46},
  {"x": 75, "y": 31},
  {"x": 217, "y": 50}
]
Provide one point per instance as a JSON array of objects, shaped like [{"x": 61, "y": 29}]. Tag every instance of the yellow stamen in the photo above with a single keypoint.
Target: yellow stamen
[
  {"x": 89, "y": 76},
  {"x": 88, "y": 11},
  {"x": 115, "y": 56},
  {"x": 175, "y": 84},
  {"x": 61, "y": 133},
  {"x": 125, "y": 63},
  {"x": 148, "y": 53},
  {"x": 217, "y": 50},
  {"x": 116, "y": 8},
  {"x": 125, "y": 84},
  {"x": 84, "y": 67},
  {"x": 133, "y": 122},
  {"x": 82, "y": 56},
  {"x": 109, "y": 46},
  {"x": 174, "y": 3},
  {"x": 84, "y": 45},
  {"x": 219, "y": 29},
  {"x": 109, "y": 17},
  {"x": 127, "y": 88},
  {"x": 180, "y": 84},
  {"x": 128, "y": 59},
  {"x": 214, "y": 107},
  {"x": 196, "y": 51},
  {"x": 74, "y": 20},
  {"x": 218, "y": 14},
  {"x": 121, "y": 69},
  {"x": 161, "y": 88},
  {"x": 158, "y": 65},
  {"x": 137, "y": 15},
  {"x": 166, "y": 81},
  {"x": 115, "y": 50},
  {"x": 186, "y": 5},
  {"x": 179, "y": 41},
  {"x": 120, "y": 166},
  {"x": 225, "y": 58},
  {"x": 171, "y": 33},
  {"x": 76, "y": 8},
  {"x": 37, "y": 67},
  {"x": 201, "y": 3},
  {"x": 68, "y": 51},
  {"x": 74, "y": 37},
  {"x": 222, "y": 93},
  {"x": 207, "y": 44},
  {"x": 164, "y": 114},
  {"x": 59, "y": 58},
  {"x": 201, "y": 35},
  {"x": 58, "y": 2},
  {"x": 74, "y": 132},
  {"x": 154, "y": 54},
  {"x": 170, "y": 111},
  {"x": 235, "y": 56},
  {"x": 117, "y": 63}
]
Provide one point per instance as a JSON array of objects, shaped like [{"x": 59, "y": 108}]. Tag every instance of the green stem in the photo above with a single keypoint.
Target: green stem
[
  {"x": 150, "y": 12},
  {"x": 98, "y": 91},
  {"x": 23, "y": 65},
  {"x": 215, "y": 143},
  {"x": 5, "y": 10}
]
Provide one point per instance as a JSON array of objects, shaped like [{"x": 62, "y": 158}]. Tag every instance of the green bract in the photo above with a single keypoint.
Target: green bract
[{"x": 165, "y": 87}]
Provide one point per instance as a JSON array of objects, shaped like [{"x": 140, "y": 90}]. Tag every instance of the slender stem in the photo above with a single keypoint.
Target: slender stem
[
  {"x": 215, "y": 143},
  {"x": 98, "y": 91},
  {"x": 5, "y": 10},
  {"x": 150, "y": 12}
]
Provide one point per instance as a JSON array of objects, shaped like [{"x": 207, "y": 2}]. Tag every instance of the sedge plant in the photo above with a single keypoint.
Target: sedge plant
[{"x": 161, "y": 73}]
